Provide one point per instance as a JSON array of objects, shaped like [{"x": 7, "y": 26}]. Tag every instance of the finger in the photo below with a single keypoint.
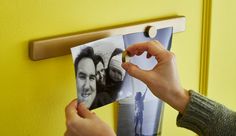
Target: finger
[
  {"x": 71, "y": 110},
  {"x": 135, "y": 71},
  {"x": 93, "y": 113},
  {"x": 68, "y": 133},
  {"x": 72, "y": 117},
  {"x": 83, "y": 111},
  {"x": 152, "y": 47},
  {"x": 139, "y": 53}
]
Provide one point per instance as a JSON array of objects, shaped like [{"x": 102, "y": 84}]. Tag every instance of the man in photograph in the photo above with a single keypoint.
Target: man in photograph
[
  {"x": 86, "y": 76},
  {"x": 100, "y": 72}
]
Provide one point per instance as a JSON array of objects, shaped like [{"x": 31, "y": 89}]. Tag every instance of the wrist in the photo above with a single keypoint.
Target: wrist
[
  {"x": 185, "y": 97},
  {"x": 180, "y": 100}
]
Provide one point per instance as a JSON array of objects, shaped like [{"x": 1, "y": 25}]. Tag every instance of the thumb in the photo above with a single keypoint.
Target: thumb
[
  {"x": 83, "y": 111},
  {"x": 135, "y": 71}
]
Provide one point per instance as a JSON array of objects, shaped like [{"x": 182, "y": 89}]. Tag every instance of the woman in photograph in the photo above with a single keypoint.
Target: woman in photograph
[
  {"x": 114, "y": 73},
  {"x": 139, "y": 108}
]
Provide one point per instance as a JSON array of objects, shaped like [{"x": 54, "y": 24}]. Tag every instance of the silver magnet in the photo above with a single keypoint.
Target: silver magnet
[{"x": 151, "y": 31}]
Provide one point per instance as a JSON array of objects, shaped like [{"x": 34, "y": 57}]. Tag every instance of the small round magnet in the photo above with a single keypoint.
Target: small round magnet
[
  {"x": 125, "y": 57},
  {"x": 151, "y": 31}
]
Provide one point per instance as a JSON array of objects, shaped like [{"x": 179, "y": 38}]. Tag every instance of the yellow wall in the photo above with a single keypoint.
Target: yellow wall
[
  {"x": 34, "y": 94},
  {"x": 222, "y": 68}
]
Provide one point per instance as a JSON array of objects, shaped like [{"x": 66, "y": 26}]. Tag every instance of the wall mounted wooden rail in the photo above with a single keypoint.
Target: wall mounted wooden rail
[{"x": 58, "y": 46}]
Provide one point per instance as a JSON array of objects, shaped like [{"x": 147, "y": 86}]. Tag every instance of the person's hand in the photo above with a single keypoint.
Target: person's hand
[
  {"x": 82, "y": 122},
  {"x": 163, "y": 79}
]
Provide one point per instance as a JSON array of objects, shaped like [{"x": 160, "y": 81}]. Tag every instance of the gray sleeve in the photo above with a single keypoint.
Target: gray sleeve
[{"x": 207, "y": 118}]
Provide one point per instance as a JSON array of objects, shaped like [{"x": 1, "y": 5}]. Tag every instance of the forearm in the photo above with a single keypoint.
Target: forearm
[{"x": 206, "y": 117}]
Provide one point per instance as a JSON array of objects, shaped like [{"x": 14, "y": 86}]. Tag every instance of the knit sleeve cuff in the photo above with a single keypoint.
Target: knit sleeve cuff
[{"x": 197, "y": 114}]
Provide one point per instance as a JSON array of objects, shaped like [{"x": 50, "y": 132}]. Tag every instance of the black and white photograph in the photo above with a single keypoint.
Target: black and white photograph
[
  {"x": 141, "y": 114},
  {"x": 100, "y": 79}
]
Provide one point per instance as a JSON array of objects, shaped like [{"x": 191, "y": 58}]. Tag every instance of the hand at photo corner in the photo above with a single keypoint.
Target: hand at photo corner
[
  {"x": 163, "y": 79},
  {"x": 82, "y": 122}
]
